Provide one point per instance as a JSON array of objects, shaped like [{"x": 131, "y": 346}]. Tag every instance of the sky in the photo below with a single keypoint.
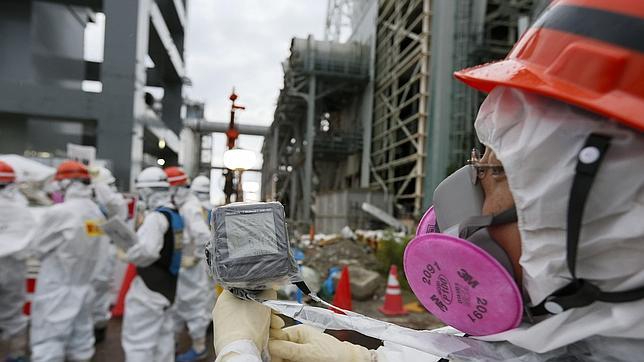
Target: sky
[{"x": 241, "y": 44}]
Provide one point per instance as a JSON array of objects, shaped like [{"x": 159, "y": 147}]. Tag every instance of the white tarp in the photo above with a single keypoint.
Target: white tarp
[{"x": 28, "y": 170}]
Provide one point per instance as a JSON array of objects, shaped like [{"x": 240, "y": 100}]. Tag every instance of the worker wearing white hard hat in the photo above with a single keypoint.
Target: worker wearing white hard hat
[
  {"x": 537, "y": 245},
  {"x": 67, "y": 242},
  {"x": 201, "y": 187},
  {"x": 112, "y": 204},
  {"x": 195, "y": 292},
  {"x": 15, "y": 223},
  {"x": 148, "y": 328}
]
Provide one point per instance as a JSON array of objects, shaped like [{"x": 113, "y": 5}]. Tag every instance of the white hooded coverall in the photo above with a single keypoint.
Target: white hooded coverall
[
  {"x": 15, "y": 221},
  {"x": 148, "y": 327},
  {"x": 67, "y": 242},
  {"x": 195, "y": 291}
]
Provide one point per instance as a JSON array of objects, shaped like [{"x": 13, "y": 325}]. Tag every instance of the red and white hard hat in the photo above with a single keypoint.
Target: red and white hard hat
[
  {"x": 7, "y": 174},
  {"x": 176, "y": 176},
  {"x": 72, "y": 170},
  {"x": 589, "y": 53}
]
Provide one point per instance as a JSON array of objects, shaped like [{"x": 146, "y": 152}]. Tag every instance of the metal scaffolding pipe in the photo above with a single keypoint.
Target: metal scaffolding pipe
[
  {"x": 308, "y": 160},
  {"x": 204, "y": 126}
]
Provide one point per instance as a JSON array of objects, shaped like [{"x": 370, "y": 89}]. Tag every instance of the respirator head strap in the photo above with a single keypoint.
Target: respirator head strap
[
  {"x": 476, "y": 223},
  {"x": 580, "y": 292}
]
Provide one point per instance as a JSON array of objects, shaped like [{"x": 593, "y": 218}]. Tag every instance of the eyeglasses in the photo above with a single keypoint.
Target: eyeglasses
[{"x": 479, "y": 170}]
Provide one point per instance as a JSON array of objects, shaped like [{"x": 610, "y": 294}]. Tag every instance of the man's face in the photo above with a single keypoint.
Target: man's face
[{"x": 498, "y": 198}]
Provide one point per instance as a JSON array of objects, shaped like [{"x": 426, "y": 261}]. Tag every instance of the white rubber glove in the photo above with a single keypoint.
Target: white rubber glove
[
  {"x": 302, "y": 343},
  {"x": 241, "y": 320}
]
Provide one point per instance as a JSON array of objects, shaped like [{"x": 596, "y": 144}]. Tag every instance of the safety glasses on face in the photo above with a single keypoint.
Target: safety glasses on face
[{"x": 478, "y": 169}]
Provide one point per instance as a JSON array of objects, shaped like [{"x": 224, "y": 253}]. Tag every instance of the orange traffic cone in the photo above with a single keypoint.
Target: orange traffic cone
[
  {"x": 342, "y": 297},
  {"x": 119, "y": 308},
  {"x": 393, "y": 298}
]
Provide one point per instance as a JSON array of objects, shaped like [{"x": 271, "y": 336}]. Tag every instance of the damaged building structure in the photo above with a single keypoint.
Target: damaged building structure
[{"x": 371, "y": 114}]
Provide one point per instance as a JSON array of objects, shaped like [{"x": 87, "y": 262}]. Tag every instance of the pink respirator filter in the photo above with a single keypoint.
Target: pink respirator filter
[{"x": 462, "y": 285}]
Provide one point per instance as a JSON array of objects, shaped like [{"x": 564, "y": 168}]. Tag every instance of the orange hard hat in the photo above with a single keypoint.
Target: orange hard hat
[
  {"x": 589, "y": 53},
  {"x": 7, "y": 174},
  {"x": 176, "y": 176},
  {"x": 72, "y": 170}
]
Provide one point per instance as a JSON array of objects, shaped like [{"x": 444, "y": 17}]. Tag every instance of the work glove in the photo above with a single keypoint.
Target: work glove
[
  {"x": 235, "y": 319},
  {"x": 302, "y": 343}
]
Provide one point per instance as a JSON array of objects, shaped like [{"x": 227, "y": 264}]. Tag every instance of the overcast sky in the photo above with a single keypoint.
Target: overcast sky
[{"x": 242, "y": 43}]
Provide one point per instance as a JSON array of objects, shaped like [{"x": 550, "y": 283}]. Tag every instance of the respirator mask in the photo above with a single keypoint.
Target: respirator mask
[
  {"x": 249, "y": 250},
  {"x": 152, "y": 197},
  {"x": 455, "y": 267}
]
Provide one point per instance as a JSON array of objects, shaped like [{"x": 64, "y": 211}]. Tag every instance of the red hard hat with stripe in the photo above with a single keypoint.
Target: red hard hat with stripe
[
  {"x": 7, "y": 174},
  {"x": 589, "y": 53},
  {"x": 176, "y": 176},
  {"x": 72, "y": 170}
]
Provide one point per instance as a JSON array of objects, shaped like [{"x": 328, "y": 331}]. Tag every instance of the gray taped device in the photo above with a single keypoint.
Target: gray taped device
[{"x": 249, "y": 249}]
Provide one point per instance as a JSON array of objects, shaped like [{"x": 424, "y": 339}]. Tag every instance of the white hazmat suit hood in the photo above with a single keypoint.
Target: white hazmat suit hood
[
  {"x": 78, "y": 190},
  {"x": 538, "y": 139},
  {"x": 155, "y": 198}
]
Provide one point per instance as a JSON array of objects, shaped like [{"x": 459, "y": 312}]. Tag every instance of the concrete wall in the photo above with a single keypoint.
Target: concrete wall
[
  {"x": 335, "y": 210},
  {"x": 365, "y": 33}
]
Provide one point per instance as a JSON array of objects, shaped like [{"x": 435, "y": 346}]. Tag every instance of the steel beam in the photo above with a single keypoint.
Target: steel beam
[
  {"x": 123, "y": 75},
  {"x": 161, "y": 29},
  {"x": 441, "y": 85},
  {"x": 49, "y": 101},
  {"x": 308, "y": 159},
  {"x": 204, "y": 126}
]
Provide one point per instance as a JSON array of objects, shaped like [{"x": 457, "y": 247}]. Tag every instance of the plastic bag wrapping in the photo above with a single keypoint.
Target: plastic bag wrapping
[
  {"x": 434, "y": 343},
  {"x": 455, "y": 347},
  {"x": 249, "y": 248}
]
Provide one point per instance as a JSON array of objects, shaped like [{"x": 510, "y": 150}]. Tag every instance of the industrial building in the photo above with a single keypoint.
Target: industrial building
[
  {"x": 373, "y": 111},
  {"x": 128, "y": 103}
]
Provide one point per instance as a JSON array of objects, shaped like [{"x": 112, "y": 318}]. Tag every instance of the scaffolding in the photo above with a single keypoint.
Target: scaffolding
[
  {"x": 313, "y": 139},
  {"x": 401, "y": 101},
  {"x": 342, "y": 17}
]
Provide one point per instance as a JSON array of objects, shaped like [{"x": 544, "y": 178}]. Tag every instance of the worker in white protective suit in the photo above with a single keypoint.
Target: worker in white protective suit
[
  {"x": 559, "y": 217},
  {"x": 112, "y": 204},
  {"x": 15, "y": 224},
  {"x": 195, "y": 292},
  {"x": 148, "y": 328},
  {"x": 201, "y": 188},
  {"x": 67, "y": 241}
]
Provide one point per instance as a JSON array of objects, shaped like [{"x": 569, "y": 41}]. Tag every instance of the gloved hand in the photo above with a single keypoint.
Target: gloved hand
[
  {"x": 302, "y": 343},
  {"x": 235, "y": 320}
]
